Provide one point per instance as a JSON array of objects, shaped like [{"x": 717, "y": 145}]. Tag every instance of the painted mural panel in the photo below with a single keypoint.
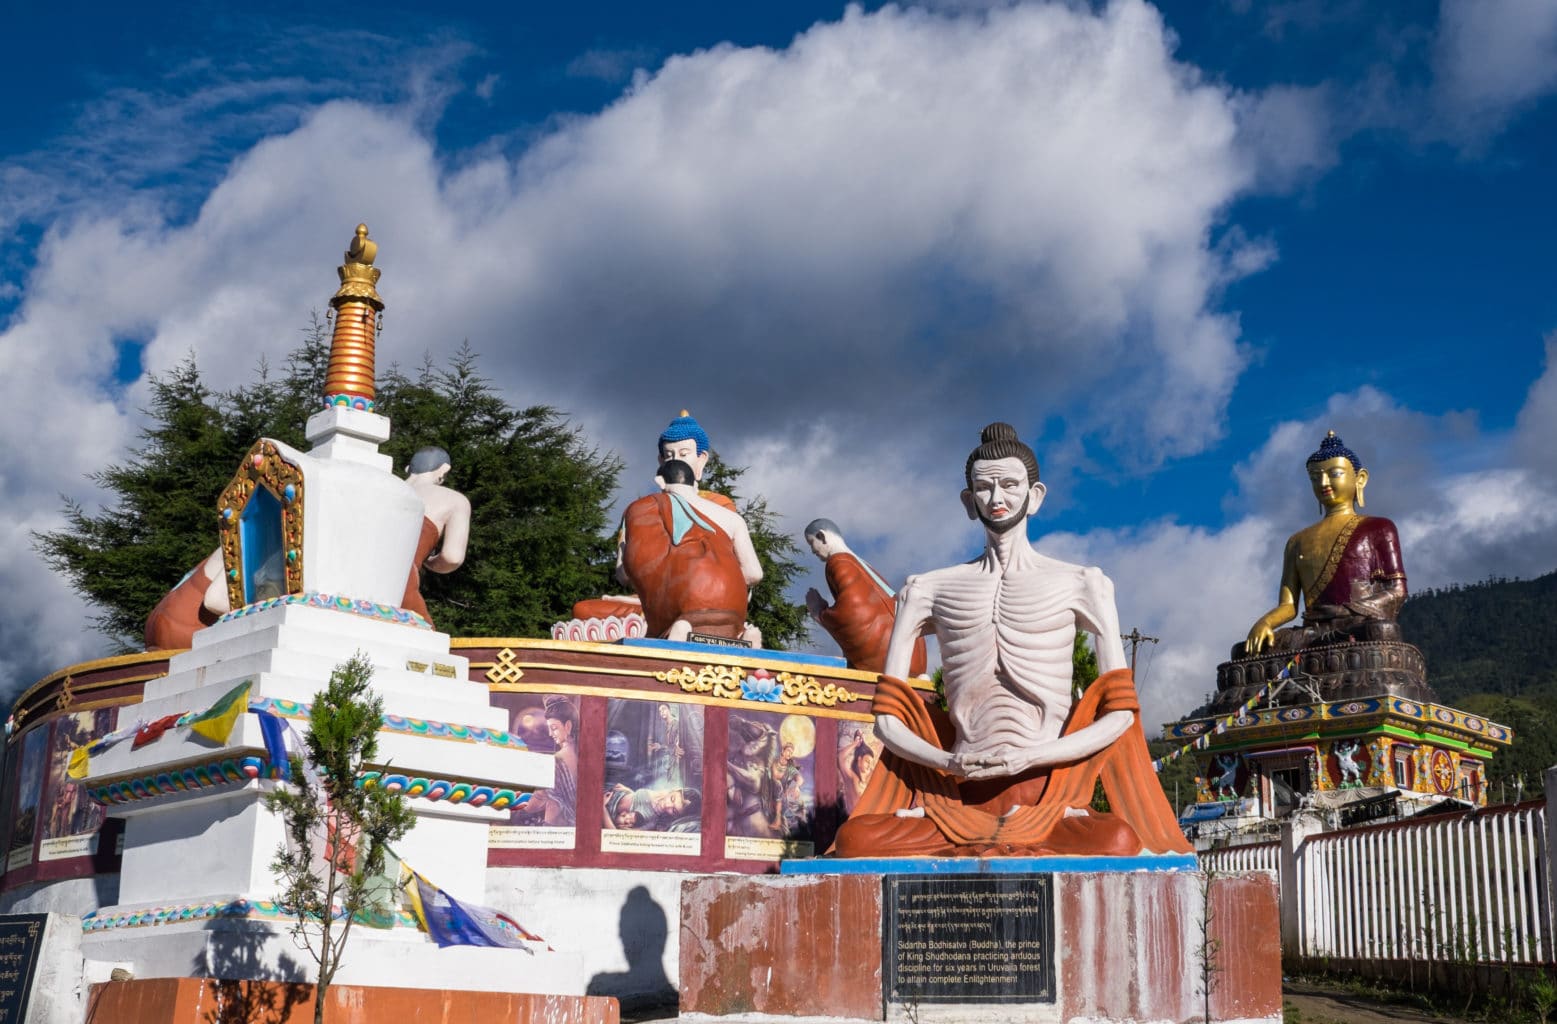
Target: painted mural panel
[
  {"x": 859, "y": 751},
  {"x": 69, "y": 821},
  {"x": 770, "y": 779},
  {"x": 549, "y": 724},
  {"x": 653, "y": 798},
  {"x": 29, "y": 792}
]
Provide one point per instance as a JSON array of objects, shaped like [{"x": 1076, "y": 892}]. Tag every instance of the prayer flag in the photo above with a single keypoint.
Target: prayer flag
[
  {"x": 80, "y": 763},
  {"x": 151, "y": 732},
  {"x": 452, "y": 923},
  {"x": 273, "y": 730},
  {"x": 216, "y": 722}
]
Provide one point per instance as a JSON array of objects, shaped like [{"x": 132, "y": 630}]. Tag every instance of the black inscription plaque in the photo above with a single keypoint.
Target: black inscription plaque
[
  {"x": 717, "y": 641},
  {"x": 968, "y": 938},
  {"x": 21, "y": 937}
]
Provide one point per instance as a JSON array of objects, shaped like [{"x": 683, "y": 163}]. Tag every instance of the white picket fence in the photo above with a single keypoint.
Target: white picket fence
[
  {"x": 1237, "y": 860},
  {"x": 1466, "y": 888}
]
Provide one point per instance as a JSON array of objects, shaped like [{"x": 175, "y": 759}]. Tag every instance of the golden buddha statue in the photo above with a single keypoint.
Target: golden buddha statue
[{"x": 1347, "y": 566}]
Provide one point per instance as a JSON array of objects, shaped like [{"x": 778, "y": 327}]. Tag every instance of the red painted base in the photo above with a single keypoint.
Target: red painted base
[
  {"x": 1138, "y": 946},
  {"x": 209, "y": 1001}
]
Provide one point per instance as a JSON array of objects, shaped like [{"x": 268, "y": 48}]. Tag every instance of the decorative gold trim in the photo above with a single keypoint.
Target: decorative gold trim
[
  {"x": 88, "y": 705},
  {"x": 726, "y": 655},
  {"x": 720, "y": 680},
  {"x": 725, "y": 681},
  {"x": 582, "y": 669},
  {"x": 265, "y": 467},
  {"x": 97, "y": 665},
  {"x": 505, "y": 669},
  {"x": 676, "y": 697}
]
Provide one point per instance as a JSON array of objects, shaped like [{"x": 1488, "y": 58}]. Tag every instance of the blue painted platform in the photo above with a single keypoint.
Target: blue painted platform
[
  {"x": 709, "y": 650},
  {"x": 987, "y": 865}
]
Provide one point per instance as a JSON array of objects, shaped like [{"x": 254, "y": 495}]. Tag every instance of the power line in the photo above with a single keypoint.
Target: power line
[{"x": 1135, "y": 638}]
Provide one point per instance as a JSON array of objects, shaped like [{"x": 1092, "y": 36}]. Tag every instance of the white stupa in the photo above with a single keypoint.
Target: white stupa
[{"x": 316, "y": 547}]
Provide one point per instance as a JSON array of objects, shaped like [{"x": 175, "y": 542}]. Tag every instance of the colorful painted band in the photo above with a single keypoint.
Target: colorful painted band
[
  {"x": 442, "y": 789},
  {"x": 345, "y": 401},
  {"x": 97, "y": 921},
  {"x": 369, "y": 609},
  {"x": 399, "y": 724}
]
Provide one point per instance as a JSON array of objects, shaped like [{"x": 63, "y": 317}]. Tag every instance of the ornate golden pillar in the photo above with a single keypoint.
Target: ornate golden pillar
[{"x": 355, "y": 308}]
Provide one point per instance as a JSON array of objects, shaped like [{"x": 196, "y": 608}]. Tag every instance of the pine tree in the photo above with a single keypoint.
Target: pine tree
[
  {"x": 539, "y": 493},
  {"x": 355, "y": 823},
  {"x": 539, "y": 536}
]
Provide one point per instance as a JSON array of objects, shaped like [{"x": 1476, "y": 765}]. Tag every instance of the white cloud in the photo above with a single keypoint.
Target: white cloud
[
  {"x": 873, "y": 241},
  {"x": 1462, "y": 517},
  {"x": 1491, "y": 58}
]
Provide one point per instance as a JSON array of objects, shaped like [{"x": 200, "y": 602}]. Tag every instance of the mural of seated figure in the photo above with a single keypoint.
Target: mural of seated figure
[
  {"x": 691, "y": 561},
  {"x": 1011, "y": 764}
]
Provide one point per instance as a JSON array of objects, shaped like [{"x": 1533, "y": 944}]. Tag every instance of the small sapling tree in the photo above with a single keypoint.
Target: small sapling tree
[{"x": 354, "y": 824}]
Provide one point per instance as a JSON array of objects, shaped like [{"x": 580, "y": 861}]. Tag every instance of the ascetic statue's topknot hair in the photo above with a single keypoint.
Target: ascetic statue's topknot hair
[{"x": 999, "y": 441}]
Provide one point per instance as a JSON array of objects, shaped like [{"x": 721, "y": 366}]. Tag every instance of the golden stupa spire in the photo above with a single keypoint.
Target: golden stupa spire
[{"x": 355, "y": 307}]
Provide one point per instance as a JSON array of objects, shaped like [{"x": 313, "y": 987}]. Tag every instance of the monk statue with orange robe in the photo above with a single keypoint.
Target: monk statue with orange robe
[
  {"x": 445, "y": 524},
  {"x": 194, "y": 603},
  {"x": 685, "y": 441},
  {"x": 864, "y": 607},
  {"x": 1010, "y": 766},
  {"x": 690, "y": 560}
]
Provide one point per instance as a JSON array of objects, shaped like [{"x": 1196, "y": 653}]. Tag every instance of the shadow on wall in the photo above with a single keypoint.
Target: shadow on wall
[
  {"x": 643, "y": 930},
  {"x": 242, "y": 1002}
]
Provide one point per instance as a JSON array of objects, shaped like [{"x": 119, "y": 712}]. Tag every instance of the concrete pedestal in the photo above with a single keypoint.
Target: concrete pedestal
[
  {"x": 1127, "y": 946},
  {"x": 196, "y": 889}
]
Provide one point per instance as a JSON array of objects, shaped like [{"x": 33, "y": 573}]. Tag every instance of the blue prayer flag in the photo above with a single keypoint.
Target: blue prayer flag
[
  {"x": 452, "y": 923},
  {"x": 274, "y": 731}
]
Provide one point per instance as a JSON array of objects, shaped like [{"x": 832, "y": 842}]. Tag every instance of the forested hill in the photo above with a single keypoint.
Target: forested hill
[
  {"x": 1491, "y": 648},
  {"x": 1497, "y": 637}
]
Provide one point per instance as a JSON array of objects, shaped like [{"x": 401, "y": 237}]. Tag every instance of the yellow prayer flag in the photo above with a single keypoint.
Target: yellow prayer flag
[
  {"x": 80, "y": 763},
  {"x": 216, "y": 723}
]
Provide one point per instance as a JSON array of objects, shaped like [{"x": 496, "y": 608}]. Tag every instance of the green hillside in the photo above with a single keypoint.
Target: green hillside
[{"x": 1491, "y": 648}]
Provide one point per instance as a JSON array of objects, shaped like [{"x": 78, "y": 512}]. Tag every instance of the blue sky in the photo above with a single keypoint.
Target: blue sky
[{"x": 1172, "y": 244}]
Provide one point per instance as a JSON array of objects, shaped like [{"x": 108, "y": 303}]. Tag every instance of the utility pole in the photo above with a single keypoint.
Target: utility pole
[{"x": 1135, "y": 638}]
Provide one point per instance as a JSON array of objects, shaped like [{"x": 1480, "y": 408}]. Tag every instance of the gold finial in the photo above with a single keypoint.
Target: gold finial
[
  {"x": 358, "y": 275},
  {"x": 685, "y": 413},
  {"x": 362, "y": 249},
  {"x": 356, "y": 306},
  {"x": 1329, "y": 433}
]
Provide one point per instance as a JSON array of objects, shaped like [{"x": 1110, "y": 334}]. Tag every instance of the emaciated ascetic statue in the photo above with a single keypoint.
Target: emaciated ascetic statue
[
  {"x": 1348, "y": 570},
  {"x": 1011, "y": 764}
]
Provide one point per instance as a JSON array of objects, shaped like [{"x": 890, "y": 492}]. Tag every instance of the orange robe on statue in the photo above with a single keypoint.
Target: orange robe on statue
[
  {"x": 861, "y": 616},
  {"x": 172, "y": 624},
  {"x": 970, "y": 818},
  {"x": 698, "y": 579},
  {"x": 605, "y": 607},
  {"x": 413, "y": 602}
]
